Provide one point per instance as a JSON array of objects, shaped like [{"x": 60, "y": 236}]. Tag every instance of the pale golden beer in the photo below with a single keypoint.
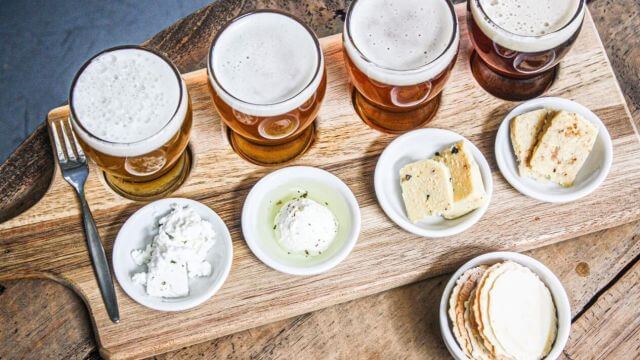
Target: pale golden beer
[
  {"x": 399, "y": 55},
  {"x": 131, "y": 112},
  {"x": 267, "y": 79}
]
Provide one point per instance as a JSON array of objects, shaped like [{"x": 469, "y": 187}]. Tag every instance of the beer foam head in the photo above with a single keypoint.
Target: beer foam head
[
  {"x": 510, "y": 22},
  {"x": 126, "y": 96},
  {"x": 401, "y": 36},
  {"x": 265, "y": 63}
]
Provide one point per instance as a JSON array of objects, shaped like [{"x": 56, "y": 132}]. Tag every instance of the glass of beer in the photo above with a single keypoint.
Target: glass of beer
[
  {"x": 399, "y": 55},
  {"x": 267, "y": 79},
  {"x": 131, "y": 112},
  {"x": 519, "y": 43}
]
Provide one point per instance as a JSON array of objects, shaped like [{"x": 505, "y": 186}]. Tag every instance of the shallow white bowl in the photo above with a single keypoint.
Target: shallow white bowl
[
  {"x": 139, "y": 230},
  {"x": 592, "y": 174},
  {"x": 558, "y": 293},
  {"x": 258, "y": 214},
  {"x": 414, "y": 146}
]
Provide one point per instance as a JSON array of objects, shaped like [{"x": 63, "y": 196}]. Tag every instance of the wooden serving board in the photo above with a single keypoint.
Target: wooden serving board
[{"x": 47, "y": 241}]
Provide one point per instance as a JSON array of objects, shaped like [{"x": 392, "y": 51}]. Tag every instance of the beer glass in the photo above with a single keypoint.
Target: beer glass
[
  {"x": 518, "y": 44},
  {"x": 267, "y": 79},
  {"x": 399, "y": 55},
  {"x": 132, "y": 115}
]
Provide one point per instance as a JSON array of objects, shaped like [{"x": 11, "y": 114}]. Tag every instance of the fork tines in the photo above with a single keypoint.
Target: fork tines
[{"x": 68, "y": 150}]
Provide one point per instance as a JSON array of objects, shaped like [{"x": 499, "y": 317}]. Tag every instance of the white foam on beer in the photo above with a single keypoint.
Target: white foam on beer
[
  {"x": 125, "y": 100},
  {"x": 266, "y": 62},
  {"x": 514, "y": 20},
  {"x": 402, "y": 36}
]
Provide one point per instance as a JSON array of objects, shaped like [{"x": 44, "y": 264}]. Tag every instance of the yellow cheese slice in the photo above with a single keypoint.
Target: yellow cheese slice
[{"x": 468, "y": 188}]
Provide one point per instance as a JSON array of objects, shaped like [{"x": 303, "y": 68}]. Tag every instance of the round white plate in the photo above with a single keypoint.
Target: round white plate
[
  {"x": 139, "y": 230},
  {"x": 592, "y": 174},
  {"x": 558, "y": 293},
  {"x": 411, "y": 147},
  {"x": 264, "y": 200}
]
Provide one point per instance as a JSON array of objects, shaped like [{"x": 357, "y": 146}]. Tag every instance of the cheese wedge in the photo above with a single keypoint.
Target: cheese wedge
[
  {"x": 468, "y": 188},
  {"x": 459, "y": 297},
  {"x": 564, "y": 145},
  {"x": 426, "y": 189},
  {"x": 524, "y": 132},
  {"x": 521, "y": 314}
]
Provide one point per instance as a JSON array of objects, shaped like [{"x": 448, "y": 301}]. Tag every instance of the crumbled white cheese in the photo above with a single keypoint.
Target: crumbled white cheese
[
  {"x": 178, "y": 252},
  {"x": 304, "y": 226}
]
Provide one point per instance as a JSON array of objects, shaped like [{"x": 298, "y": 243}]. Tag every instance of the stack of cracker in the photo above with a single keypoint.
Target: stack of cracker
[
  {"x": 552, "y": 145},
  {"x": 503, "y": 311}
]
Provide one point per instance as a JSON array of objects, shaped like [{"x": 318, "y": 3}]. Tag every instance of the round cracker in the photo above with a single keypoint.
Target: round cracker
[
  {"x": 459, "y": 297},
  {"x": 478, "y": 350},
  {"x": 481, "y": 305},
  {"x": 521, "y": 313}
]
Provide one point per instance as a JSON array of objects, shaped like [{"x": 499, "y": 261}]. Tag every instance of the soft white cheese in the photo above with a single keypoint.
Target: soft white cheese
[
  {"x": 304, "y": 226},
  {"x": 178, "y": 252}
]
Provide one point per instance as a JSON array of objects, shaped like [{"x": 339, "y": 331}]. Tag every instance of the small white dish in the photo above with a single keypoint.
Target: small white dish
[
  {"x": 140, "y": 229},
  {"x": 593, "y": 172},
  {"x": 414, "y": 146},
  {"x": 560, "y": 298},
  {"x": 267, "y": 196}
]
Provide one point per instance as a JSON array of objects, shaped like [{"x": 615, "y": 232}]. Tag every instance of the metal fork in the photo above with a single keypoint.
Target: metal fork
[{"x": 73, "y": 164}]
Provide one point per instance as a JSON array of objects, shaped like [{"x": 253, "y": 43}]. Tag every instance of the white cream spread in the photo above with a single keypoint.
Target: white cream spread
[
  {"x": 304, "y": 226},
  {"x": 176, "y": 254}
]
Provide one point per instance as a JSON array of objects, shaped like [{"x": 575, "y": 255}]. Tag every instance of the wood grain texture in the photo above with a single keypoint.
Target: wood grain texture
[
  {"x": 385, "y": 256},
  {"x": 403, "y": 323},
  {"x": 615, "y": 310}
]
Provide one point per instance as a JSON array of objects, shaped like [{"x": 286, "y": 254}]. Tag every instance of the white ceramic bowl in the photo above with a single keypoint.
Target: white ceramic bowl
[
  {"x": 265, "y": 199},
  {"x": 414, "y": 146},
  {"x": 549, "y": 278},
  {"x": 592, "y": 174},
  {"x": 139, "y": 230}
]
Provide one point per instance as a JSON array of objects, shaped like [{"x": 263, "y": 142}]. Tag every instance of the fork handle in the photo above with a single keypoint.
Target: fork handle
[{"x": 99, "y": 261}]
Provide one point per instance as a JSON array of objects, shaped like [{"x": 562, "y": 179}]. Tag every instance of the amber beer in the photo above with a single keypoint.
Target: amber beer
[
  {"x": 519, "y": 43},
  {"x": 132, "y": 115},
  {"x": 399, "y": 55},
  {"x": 267, "y": 79}
]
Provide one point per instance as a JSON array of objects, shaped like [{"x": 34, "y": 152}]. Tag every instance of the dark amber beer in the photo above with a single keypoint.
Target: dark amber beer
[
  {"x": 267, "y": 79},
  {"x": 519, "y": 43},
  {"x": 132, "y": 115},
  {"x": 399, "y": 55}
]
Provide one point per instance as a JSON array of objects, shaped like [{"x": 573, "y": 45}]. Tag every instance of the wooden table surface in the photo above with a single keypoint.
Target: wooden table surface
[{"x": 601, "y": 271}]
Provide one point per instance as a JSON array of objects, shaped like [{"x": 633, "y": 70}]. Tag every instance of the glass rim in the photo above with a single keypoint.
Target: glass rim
[
  {"x": 314, "y": 37},
  {"x": 452, "y": 41},
  {"x": 575, "y": 16},
  {"x": 76, "y": 119}
]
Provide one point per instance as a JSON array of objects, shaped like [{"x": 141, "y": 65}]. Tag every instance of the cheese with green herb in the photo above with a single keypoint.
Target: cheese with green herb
[
  {"x": 426, "y": 189},
  {"x": 468, "y": 187}
]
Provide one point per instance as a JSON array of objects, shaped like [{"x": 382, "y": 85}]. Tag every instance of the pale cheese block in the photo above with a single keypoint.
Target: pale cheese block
[
  {"x": 524, "y": 132},
  {"x": 426, "y": 189},
  {"x": 459, "y": 297},
  {"x": 468, "y": 187},
  {"x": 563, "y": 146},
  {"x": 521, "y": 313}
]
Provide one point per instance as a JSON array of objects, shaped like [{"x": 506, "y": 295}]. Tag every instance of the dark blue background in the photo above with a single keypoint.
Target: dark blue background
[{"x": 44, "y": 42}]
